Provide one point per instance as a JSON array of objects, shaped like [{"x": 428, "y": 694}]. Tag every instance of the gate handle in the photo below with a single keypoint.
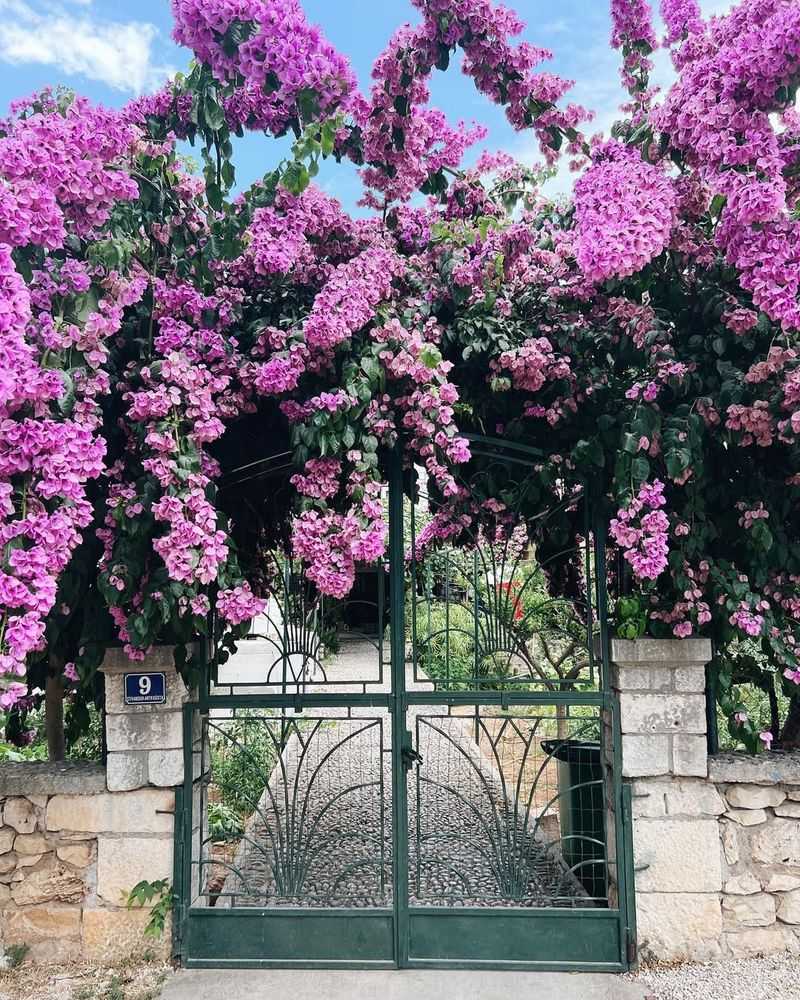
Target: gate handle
[{"x": 410, "y": 758}]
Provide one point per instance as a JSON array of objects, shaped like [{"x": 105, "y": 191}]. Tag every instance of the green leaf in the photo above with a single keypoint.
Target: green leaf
[
  {"x": 640, "y": 470},
  {"x": 216, "y": 199},
  {"x": 328, "y": 137},
  {"x": 228, "y": 173},
  {"x": 296, "y": 178},
  {"x": 430, "y": 356},
  {"x": 213, "y": 113},
  {"x": 308, "y": 105},
  {"x": 443, "y": 57}
]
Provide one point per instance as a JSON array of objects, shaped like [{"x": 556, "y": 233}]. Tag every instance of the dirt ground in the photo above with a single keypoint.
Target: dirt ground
[{"x": 136, "y": 981}]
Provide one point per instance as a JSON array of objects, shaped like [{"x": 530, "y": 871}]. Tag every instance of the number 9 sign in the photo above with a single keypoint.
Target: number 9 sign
[{"x": 145, "y": 689}]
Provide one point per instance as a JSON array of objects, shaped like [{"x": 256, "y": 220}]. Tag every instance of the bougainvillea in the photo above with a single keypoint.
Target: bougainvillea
[{"x": 642, "y": 336}]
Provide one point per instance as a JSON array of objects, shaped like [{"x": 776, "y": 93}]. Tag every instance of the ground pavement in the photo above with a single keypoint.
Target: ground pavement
[{"x": 406, "y": 985}]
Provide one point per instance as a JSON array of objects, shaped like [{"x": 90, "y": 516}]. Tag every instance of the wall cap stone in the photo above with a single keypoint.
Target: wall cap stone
[
  {"x": 160, "y": 658},
  {"x": 660, "y": 652},
  {"x": 69, "y": 777},
  {"x": 738, "y": 768}
]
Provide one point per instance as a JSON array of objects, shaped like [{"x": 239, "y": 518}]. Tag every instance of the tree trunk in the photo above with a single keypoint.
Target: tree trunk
[
  {"x": 562, "y": 722},
  {"x": 54, "y": 710}
]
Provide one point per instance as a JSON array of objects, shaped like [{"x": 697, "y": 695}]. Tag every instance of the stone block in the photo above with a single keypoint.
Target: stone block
[
  {"x": 8, "y": 862},
  {"x": 146, "y": 811},
  {"x": 794, "y": 794},
  {"x": 52, "y": 933},
  {"x": 643, "y": 756},
  {"x": 730, "y": 842},
  {"x": 20, "y": 813},
  {"x": 112, "y": 936},
  {"x": 7, "y": 836},
  {"x": 690, "y": 679},
  {"x": 689, "y": 755},
  {"x": 77, "y": 855},
  {"x": 747, "y": 817},
  {"x": 124, "y": 862},
  {"x": 648, "y": 799},
  {"x": 749, "y": 911},
  {"x": 754, "y": 796},
  {"x": 761, "y": 769},
  {"x": 674, "y": 928},
  {"x": 778, "y": 843},
  {"x": 127, "y": 770},
  {"x": 790, "y": 810},
  {"x": 693, "y": 798},
  {"x": 36, "y": 780},
  {"x": 49, "y": 885},
  {"x": 681, "y": 855},
  {"x": 28, "y": 860},
  {"x": 660, "y": 652},
  {"x": 160, "y": 658},
  {"x": 30, "y": 843},
  {"x": 165, "y": 768},
  {"x": 176, "y": 692},
  {"x": 762, "y": 941},
  {"x": 745, "y": 884},
  {"x": 780, "y": 881},
  {"x": 151, "y": 731},
  {"x": 652, "y": 713},
  {"x": 632, "y": 679},
  {"x": 5, "y": 896},
  {"x": 789, "y": 907}
]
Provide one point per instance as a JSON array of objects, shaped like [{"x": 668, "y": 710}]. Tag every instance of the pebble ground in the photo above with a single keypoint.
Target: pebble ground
[{"x": 743, "y": 979}]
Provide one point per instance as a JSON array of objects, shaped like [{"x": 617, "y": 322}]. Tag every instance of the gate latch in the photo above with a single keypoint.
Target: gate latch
[{"x": 409, "y": 755}]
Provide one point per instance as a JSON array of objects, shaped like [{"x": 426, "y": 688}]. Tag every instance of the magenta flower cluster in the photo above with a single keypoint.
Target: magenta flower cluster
[
  {"x": 625, "y": 211},
  {"x": 641, "y": 530},
  {"x": 63, "y": 165}
]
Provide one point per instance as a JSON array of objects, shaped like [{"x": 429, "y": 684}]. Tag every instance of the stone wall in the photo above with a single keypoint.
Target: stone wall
[
  {"x": 76, "y": 838},
  {"x": 716, "y": 840},
  {"x": 70, "y": 851}
]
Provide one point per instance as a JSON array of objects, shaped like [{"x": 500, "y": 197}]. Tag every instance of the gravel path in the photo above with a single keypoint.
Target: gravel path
[{"x": 745, "y": 979}]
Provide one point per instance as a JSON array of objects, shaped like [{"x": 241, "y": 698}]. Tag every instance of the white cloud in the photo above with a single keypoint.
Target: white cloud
[
  {"x": 116, "y": 53},
  {"x": 710, "y": 7}
]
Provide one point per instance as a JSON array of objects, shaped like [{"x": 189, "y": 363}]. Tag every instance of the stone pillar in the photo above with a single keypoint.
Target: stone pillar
[
  {"x": 661, "y": 687},
  {"x": 145, "y": 742},
  {"x": 676, "y": 842}
]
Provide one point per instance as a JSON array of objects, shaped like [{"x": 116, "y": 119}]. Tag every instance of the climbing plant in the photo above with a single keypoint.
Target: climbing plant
[{"x": 643, "y": 335}]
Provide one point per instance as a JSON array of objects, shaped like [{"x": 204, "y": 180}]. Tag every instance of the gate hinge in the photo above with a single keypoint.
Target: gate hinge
[{"x": 631, "y": 947}]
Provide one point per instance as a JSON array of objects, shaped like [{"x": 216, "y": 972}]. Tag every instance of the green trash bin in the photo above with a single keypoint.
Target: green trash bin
[{"x": 581, "y": 807}]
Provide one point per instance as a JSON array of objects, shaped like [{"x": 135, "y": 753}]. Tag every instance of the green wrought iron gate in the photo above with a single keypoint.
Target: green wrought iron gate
[{"x": 426, "y": 776}]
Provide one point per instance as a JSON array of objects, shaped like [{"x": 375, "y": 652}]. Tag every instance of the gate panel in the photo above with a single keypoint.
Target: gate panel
[
  {"x": 425, "y": 775},
  {"x": 516, "y": 816},
  {"x": 313, "y": 845},
  {"x": 511, "y": 837},
  {"x": 509, "y": 809}
]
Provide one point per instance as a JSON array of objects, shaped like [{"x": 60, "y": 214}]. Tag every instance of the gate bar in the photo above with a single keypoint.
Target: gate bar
[{"x": 398, "y": 664}]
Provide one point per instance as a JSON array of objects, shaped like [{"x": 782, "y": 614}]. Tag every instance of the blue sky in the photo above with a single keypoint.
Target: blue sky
[{"x": 112, "y": 50}]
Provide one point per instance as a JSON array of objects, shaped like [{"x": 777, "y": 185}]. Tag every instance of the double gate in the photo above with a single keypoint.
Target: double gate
[{"x": 425, "y": 776}]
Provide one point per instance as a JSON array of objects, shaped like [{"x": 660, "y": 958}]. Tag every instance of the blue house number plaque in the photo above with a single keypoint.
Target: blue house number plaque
[{"x": 145, "y": 689}]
